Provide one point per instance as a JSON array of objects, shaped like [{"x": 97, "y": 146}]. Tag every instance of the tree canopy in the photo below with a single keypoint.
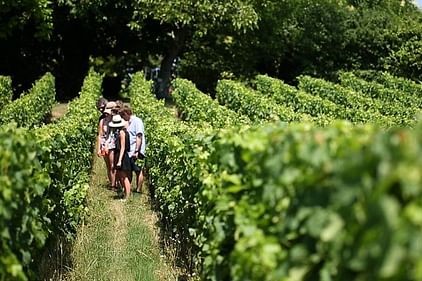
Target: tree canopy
[
  {"x": 211, "y": 39},
  {"x": 18, "y": 14}
]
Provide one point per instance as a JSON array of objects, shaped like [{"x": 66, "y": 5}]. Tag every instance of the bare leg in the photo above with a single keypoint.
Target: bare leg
[
  {"x": 139, "y": 181},
  {"x": 112, "y": 170},
  {"x": 108, "y": 167},
  {"x": 124, "y": 178}
]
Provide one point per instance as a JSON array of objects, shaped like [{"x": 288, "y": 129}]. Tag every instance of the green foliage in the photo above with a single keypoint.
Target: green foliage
[
  {"x": 279, "y": 37},
  {"x": 291, "y": 37},
  {"x": 23, "y": 204},
  {"x": 301, "y": 203},
  {"x": 406, "y": 60},
  {"x": 309, "y": 29},
  {"x": 172, "y": 185},
  {"x": 31, "y": 109},
  {"x": 291, "y": 202},
  {"x": 196, "y": 106},
  {"x": 412, "y": 89},
  {"x": 314, "y": 104},
  {"x": 385, "y": 35},
  {"x": 379, "y": 91},
  {"x": 393, "y": 102},
  {"x": 258, "y": 108},
  {"x": 179, "y": 21},
  {"x": 17, "y": 14},
  {"x": 6, "y": 91},
  {"x": 244, "y": 100},
  {"x": 394, "y": 6},
  {"x": 69, "y": 143},
  {"x": 143, "y": 101},
  {"x": 44, "y": 181},
  {"x": 298, "y": 100},
  {"x": 365, "y": 108},
  {"x": 199, "y": 16},
  {"x": 316, "y": 38}
]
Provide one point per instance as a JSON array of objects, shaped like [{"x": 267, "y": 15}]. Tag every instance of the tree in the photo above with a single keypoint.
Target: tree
[
  {"x": 164, "y": 29},
  {"x": 181, "y": 20},
  {"x": 291, "y": 37},
  {"x": 295, "y": 37},
  {"x": 18, "y": 14},
  {"x": 26, "y": 27},
  {"x": 406, "y": 59}
]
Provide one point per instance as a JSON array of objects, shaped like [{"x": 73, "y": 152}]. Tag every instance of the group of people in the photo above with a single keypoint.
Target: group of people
[{"x": 121, "y": 142}]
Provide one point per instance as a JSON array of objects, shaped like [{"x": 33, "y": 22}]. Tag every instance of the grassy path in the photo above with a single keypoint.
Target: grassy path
[
  {"x": 118, "y": 240},
  {"x": 58, "y": 111}
]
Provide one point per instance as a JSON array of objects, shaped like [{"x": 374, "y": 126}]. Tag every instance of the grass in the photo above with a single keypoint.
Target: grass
[
  {"x": 58, "y": 111},
  {"x": 118, "y": 240}
]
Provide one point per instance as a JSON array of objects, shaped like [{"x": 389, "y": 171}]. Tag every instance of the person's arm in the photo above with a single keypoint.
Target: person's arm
[
  {"x": 122, "y": 147},
  {"x": 138, "y": 145},
  {"x": 139, "y": 133},
  {"x": 100, "y": 133}
]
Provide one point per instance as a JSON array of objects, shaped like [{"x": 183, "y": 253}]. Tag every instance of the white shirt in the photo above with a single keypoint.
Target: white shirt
[{"x": 136, "y": 127}]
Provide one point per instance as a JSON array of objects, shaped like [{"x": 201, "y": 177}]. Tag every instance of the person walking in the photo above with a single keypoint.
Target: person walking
[
  {"x": 101, "y": 104},
  {"x": 110, "y": 144},
  {"x": 103, "y": 133},
  {"x": 137, "y": 143},
  {"x": 122, "y": 162}
]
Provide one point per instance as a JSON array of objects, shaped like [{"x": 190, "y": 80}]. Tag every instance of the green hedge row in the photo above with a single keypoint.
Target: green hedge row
[
  {"x": 380, "y": 91},
  {"x": 312, "y": 104},
  {"x": 305, "y": 203},
  {"x": 23, "y": 205},
  {"x": 6, "y": 92},
  {"x": 367, "y": 107},
  {"x": 143, "y": 101},
  {"x": 244, "y": 100},
  {"x": 259, "y": 109},
  {"x": 196, "y": 106},
  {"x": 394, "y": 103},
  {"x": 169, "y": 162},
  {"x": 70, "y": 142},
  {"x": 44, "y": 182},
  {"x": 291, "y": 202},
  {"x": 299, "y": 101},
  {"x": 31, "y": 109},
  {"x": 405, "y": 85},
  {"x": 287, "y": 202}
]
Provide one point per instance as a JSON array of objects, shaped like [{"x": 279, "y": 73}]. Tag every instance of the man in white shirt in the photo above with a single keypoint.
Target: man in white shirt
[{"x": 137, "y": 143}]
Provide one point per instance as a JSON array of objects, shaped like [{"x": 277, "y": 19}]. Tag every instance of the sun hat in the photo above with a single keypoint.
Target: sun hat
[
  {"x": 109, "y": 106},
  {"x": 117, "y": 122}
]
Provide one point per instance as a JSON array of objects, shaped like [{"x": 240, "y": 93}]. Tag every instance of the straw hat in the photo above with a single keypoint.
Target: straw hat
[{"x": 117, "y": 122}]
